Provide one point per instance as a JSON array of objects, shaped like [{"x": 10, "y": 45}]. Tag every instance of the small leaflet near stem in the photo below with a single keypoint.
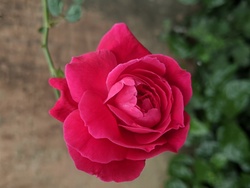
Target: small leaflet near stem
[{"x": 45, "y": 36}]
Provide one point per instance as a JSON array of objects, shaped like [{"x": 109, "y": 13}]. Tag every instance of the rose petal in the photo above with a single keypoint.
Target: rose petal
[
  {"x": 118, "y": 171},
  {"x": 174, "y": 140},
  {"x": 102, "y": 124},
  {"x": 120, "y": 115},
  {"x": 126, "y": 100},
  {"x": 89, "y": 72},
  {"x": 65, "y": 104},
  {"x": 176, "y": 76},
  {"x": 141, "y": 154},
  {"x": 162, "y": 89},
  {"x": 128, "y": 122},
  {"x": 100, "y": 121},
  {"x": 117, "y": 87},
  {"x": 77, "y": 136},
  {"x": 137, "y": 129},
  {"x": 163, "y": 93},
  {"x": 146, "y": 63},
  {"x": 122, "y": 43},
  {"x": 177, "y": 116},
  {"x": 150, "y": 119}
]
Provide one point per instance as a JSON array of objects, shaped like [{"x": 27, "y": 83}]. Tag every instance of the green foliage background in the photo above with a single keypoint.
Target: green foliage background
[{"x": 216, "y": 40}]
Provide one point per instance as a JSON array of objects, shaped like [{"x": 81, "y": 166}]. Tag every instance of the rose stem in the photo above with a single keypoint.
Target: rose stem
[{"x": 45, "y": 36}]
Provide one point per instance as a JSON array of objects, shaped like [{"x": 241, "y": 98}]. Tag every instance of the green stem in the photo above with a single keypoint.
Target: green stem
[{"x": 45, "y": 36}]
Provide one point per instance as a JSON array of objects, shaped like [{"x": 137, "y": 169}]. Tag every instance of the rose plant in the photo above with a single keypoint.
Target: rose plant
[{"x": 121, "y": 105}]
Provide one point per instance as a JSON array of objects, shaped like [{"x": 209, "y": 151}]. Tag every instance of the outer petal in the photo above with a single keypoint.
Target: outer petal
[
  {"x": 77, "y": 136},
  {"x": 122, "y": 43},
  {"x": 89, "y": 72},
  {"x": 174, "y": 141},
  {"x": 100, "y": 121},
  {"x": 176, "y": 138},
  {"x": 65, "y": 104},
  {"x": 118, "y": 171},
  {"x": 176, "y": 76},
  {"x": 177, "y": 116}
]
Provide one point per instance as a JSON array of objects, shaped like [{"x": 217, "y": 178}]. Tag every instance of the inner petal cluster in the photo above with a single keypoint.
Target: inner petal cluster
[
  {"x": 145, "y": 98},
  {"x": 134, "y": 99}
]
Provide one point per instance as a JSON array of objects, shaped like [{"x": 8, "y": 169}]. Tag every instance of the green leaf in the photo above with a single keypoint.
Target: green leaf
[
  {"x": 204, "y": 172},
  {"x": 200, "y": 53},
  {"x": 179, "y": 167},
  {"x": 182, "y": 159},
  {"x": 214, "y": 3},
  {"x": 206, "y": 148},
  {"x": 222, "y": 27},
  {"x": 74, "y": 13},
  {"x": 233, "y": 143},
  {"x": 246, "y": 27},
  {"x": 198, "y": 128},
  {"x": 241, "y": 18},
  {"x": 179, "y": 46},
  {"x": 59, "y": 73},
  {"x": 236, "y": 94},
  {"x": 55, "y": 7},
  {"x": 228, "y": 181},
  {"x": 245, "y": 165},
  {"x": 180, "y": 171},
  {"x": 213, "y": 107},
  {"x": 218, "y": 160},
  {"x": 241, "y": 53},
  {"x": 221, "y": 76},
  {"x": 208, "y": 43},
  {"x": 41, "y": 30},
  {"x": 244, "y": 181},
  {"x": 175, "y": 183}
]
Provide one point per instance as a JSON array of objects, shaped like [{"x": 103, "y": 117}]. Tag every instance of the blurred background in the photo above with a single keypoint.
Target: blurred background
[
  {"x": 32, "y": 150},
  {"x": 215, "y": 41},
  {"x": 210, "y": 38}
]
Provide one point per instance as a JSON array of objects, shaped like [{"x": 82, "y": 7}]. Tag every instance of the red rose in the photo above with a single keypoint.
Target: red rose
[{"x": 121, "y": 105}]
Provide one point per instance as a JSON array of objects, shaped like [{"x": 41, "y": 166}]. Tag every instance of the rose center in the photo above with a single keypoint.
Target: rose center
[
  {"x": 135, "y": 99},
  {"x": 145, "y": 98}
]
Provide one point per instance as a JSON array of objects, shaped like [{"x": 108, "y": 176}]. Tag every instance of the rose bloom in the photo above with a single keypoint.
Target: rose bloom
[{"x": 121, "y": 105}]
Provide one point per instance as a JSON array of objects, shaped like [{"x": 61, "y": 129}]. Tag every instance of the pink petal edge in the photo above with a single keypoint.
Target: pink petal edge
[
  {"x": 122, "y": 43},
  {"x": 65, "y": 104},
  {"x": 89, "y": 72},
  {"x": 176, "y": 76},
  {"x": 118, "y": 171},
  {"x": 77, "y": 136}
]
